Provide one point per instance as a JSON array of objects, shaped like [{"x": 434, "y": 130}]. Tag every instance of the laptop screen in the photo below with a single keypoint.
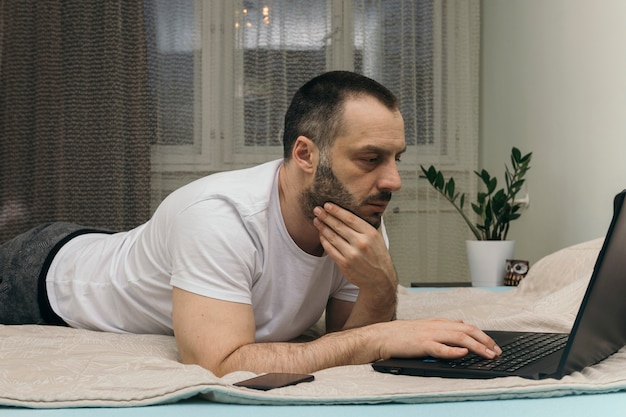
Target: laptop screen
[{"x": 600, "y": 327}]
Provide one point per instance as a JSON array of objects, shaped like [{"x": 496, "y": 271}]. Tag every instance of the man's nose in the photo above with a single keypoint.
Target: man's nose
[{"x": 391, "y": 181}]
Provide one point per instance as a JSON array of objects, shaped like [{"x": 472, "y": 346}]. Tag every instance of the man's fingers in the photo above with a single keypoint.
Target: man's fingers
[
  {"x": 440, "y": 338},
  {"x": 341, "y": 217},
  {"x": 332, "y": 222},
  {"x": 441, "y": 350},
  {"x": 479, "y": 342},
  {"x": 328, "y": 233},
  {"x": 468, "y": 337},
  {"x": 482, "y": 339}
]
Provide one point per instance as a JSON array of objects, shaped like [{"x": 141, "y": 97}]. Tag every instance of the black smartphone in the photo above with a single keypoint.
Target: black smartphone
[{"x": 270, "y": 381}]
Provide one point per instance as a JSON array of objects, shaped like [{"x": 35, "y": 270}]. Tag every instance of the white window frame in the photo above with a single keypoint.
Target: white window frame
[{"x": 213, "y": 146}]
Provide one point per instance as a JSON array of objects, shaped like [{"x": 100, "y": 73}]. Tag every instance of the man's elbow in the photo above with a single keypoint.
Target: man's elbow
[{"x": 190, "y": 357}]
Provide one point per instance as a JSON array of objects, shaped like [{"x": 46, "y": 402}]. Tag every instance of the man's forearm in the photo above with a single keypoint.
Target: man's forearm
[
  {"x": 351, "y": 347},
  {"x": 401, "y": 338},
  {"x": 372, "y": 308},
  {"x": 376, "y": 304}
]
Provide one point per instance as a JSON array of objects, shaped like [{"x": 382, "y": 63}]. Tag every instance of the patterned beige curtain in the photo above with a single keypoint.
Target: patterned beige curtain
[{"x": 75, "y": 118}]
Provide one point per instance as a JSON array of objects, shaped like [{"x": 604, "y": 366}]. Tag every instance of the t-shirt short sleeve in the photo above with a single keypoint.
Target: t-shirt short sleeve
[
  {"x": 212, "y": 252},
  {"x": 345, "y": 291}
]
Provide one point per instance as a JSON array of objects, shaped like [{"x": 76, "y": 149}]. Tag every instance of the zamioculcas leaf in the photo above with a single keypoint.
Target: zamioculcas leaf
[
  {"x": 494, "y": 209},
  {"x": 450, "y": 188},
  {"x": 439, "y": 181}
]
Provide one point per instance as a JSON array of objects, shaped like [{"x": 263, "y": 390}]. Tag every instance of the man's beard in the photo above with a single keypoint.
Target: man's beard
[{"x": 326, "y": 187}]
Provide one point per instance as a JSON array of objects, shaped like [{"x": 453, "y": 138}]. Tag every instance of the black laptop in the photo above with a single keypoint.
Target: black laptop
[{"x": 598, "y": 331}]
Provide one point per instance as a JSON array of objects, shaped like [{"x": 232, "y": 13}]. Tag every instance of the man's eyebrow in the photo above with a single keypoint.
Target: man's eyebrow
[{"x": 380, "y": 150}]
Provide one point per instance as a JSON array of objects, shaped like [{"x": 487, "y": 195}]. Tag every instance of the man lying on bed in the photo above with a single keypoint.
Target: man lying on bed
[{"x": 237, "y": 264}]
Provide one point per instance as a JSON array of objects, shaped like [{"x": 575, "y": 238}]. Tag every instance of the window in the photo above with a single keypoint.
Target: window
[
  {"x": 229, "y": 69},
  {"x": 224, "y": 72}
]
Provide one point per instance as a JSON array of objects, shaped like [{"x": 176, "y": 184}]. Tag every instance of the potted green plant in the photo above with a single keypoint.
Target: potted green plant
[{"x": 494, "y": 209}]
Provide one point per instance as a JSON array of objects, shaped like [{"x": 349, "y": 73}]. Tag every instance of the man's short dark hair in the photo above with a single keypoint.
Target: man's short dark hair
[{"x": 316, "y": 110}]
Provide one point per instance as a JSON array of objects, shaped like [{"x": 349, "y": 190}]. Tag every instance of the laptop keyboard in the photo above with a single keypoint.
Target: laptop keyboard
[{"x": 523, "y": 350}]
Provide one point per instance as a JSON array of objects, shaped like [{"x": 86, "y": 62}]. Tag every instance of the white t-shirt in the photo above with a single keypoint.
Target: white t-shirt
[{"x": 222, "y": 236}]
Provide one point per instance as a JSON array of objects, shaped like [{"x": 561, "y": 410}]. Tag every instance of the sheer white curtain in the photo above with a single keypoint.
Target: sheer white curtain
[
  {"x": 427, "y": 235},
  {"x": 224, "y": 72}
]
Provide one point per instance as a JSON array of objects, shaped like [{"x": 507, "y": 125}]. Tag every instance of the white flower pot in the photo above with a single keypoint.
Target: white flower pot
[{"x": 487, "y": 261}]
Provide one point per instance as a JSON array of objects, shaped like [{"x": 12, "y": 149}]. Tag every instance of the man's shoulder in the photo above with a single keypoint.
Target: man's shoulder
[
  {"x": 247, "y": 180},
  {"x": 248, "y": 190}
]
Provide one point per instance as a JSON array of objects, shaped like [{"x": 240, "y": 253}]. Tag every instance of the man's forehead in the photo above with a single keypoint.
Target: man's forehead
[{"x": 375, "y": 136}]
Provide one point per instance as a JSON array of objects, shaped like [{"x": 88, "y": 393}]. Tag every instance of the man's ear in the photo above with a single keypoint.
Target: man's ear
[{"x": 305, "y": 154}]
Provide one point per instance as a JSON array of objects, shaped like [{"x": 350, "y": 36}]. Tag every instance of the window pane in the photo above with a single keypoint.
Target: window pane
[
  {"x": 284, "y": 45},
  {"x": 396, "y": 40},
  {"x": 173, "y": 35}
]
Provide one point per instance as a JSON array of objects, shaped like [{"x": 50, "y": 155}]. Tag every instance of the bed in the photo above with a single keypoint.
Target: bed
[{"x": 52, "y": 371}]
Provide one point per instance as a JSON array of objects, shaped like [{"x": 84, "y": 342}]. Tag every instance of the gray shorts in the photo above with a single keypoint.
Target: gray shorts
[{"x": 24, "y": 264}]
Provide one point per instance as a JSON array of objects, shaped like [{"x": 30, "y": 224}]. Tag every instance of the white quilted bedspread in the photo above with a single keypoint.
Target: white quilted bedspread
[{"x": 60, "y": 367}]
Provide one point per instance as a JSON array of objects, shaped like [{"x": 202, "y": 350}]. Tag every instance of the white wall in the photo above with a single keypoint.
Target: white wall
[{"x": 553, "y": 81}]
